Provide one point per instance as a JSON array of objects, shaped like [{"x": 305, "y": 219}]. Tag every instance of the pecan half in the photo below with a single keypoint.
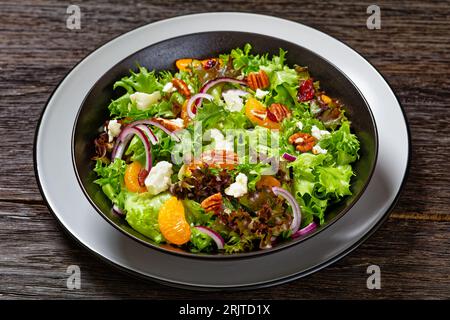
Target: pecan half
[
  {"x": 213, "y": 203},
  {"x": 224, "y": 159},
  {"x": 141, "y": 177},
  {"x": 303, "y": 142},
  {"x": 168, "y": 124},
  {"x": 182, "y": 87},
  {"x": 277, "y": 112},
  {"x": 258, "y": 80}
]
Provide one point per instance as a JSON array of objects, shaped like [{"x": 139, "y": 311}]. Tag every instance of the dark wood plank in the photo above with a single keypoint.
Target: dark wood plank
[
  {"x": 411, "y": 50},
  {"x": 414, "y": 263}
]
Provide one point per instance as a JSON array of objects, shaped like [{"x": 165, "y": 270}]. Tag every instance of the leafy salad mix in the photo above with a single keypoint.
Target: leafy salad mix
[{"x": 274, "y": 152}]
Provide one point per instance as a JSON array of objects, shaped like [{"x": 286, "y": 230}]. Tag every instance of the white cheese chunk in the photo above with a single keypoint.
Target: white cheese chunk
[
  {"x": 318, "y": 134},
  {"x": 178, "y": 121},
  {"x": 318, "y": 150},
  {"x": 259, "y": 94},
  {"x": 220, "y": 142},
  {"x": 113, "y": 129},
  {"x": 233, "y": 101},
  {"x": 239, "y": 187},
  {"x": 159, "y": 178},
  {"x": 168, "y": 87},
  {"x": 144, "y": 100}
]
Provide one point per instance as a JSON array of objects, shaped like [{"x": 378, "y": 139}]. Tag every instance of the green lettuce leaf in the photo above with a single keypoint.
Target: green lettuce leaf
[
  {"x": 212, "y": 115},
  {"x": 142, "y": 213},
  {"x": 342, "y": 144},
  {"x": 335, "y": 180},
  {"x": 141, "y": 81},
  {"x": 200, "y": 242},
  {"x": 195, "y": 214},
  {"x": 111, "y": 180}
]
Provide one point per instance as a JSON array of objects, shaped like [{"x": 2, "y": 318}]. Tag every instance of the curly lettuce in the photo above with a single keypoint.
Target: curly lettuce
[
  {"x": 111, "y": 180},
  {"x": 142, "y": 213},
  {"x": 142, "y": 81}
]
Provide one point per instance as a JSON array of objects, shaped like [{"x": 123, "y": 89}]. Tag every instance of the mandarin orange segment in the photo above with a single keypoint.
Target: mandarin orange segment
[
  {"x": 256, "y": 112},
  {"x": 172, "y": 222},
  {"x": 267, "y": 181},
  {"x": 132, "y": 177},
  {"x": 183, "y": 64}
]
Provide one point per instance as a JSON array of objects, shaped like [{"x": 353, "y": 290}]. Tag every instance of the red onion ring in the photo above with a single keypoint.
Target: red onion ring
[
  {"x": 150, "y": 135},
  {"x": 289, "y": 157},
  {"x": 159, "y": 126},
  {"x": 213, "y": 234},
  {"x": 208, "y": 85},
  {"x": 125, "y": 137},
  {"x": 294, "y": 205},
  {"x": 193, "y": 99},
  {"x": 309, "y": 228},
  {"x": 116, "y": 210}
]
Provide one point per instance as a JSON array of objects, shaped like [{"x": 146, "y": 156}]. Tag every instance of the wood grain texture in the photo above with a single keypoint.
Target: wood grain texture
[{"x": 411, "y": 50}]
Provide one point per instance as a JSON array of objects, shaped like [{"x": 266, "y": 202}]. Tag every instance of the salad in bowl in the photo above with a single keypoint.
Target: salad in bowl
[{"x": 230, "y": 154}]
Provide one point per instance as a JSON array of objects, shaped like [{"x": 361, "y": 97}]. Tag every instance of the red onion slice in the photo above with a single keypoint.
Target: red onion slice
[
  {"x": 214, "y": 235},
  {"x": 294, "y": 205},
  {"x": 289, "y": 157},
  {"x": 194, "y": 98},
  {"x": 125, "y": 137},
  {"x": 208, "y": 85},
  {"x": 159, "y": 126},
  {"x": 117, "y": 211},
  {"x": 150, "y": 135},
  {"x": 309, "y": 228}
]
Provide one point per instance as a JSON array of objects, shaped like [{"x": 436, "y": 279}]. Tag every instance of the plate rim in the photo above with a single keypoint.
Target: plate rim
[{"x": 256, "y": 285}]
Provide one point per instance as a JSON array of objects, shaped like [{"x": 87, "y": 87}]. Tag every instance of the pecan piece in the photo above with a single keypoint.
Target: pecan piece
[
  {"x": 213, "y": 203},
  {"x": 141, "y": 177},
  {"x": 182, "y": 87},
  {"x": 258, "y": 80},
  {"x": 168, "y": 124},
  {"x": 303, "y": 142},
  {"x": 277, "y": 112}
]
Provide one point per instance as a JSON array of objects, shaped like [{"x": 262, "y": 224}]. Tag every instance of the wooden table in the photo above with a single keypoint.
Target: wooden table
[{"x": 412, "y": 50}]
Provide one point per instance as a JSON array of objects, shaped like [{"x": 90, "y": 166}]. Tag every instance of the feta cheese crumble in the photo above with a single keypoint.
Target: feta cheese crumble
[
  {"x": 318, "y": 134},
  {"x": 113, "y": 129},
  {"x": 220, "y": 142},
  {"x": 318, "y": 150},
  {"x": 300, "y": 125},
  {"x": 158, "y": 180},
  {"x": 168, "y": 87},
  {"x": 239, "y": 187},
  {"x": 145, "y": 100},
  {"x": 178, "y": 121},
  {"x": 233, "y": 101},
  {"x": 259, "y": 94}
]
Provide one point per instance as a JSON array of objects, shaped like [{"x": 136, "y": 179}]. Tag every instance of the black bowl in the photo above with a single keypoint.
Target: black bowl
[{"x": 161, "y": 56}]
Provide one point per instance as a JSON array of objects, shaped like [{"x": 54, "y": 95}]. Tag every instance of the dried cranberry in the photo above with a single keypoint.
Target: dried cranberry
[
  {"x": 306, "y": 90},
  {"x": 210, "y": 63},
  {"x": 141, "y": 177},
  {"x": 271, "y": 116}
]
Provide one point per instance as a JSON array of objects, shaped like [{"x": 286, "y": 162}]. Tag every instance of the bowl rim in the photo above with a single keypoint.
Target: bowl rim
[{"x": 242, "y": 255}]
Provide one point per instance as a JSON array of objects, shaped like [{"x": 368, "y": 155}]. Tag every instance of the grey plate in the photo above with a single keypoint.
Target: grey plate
[{"x": 66, "y": 200}]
